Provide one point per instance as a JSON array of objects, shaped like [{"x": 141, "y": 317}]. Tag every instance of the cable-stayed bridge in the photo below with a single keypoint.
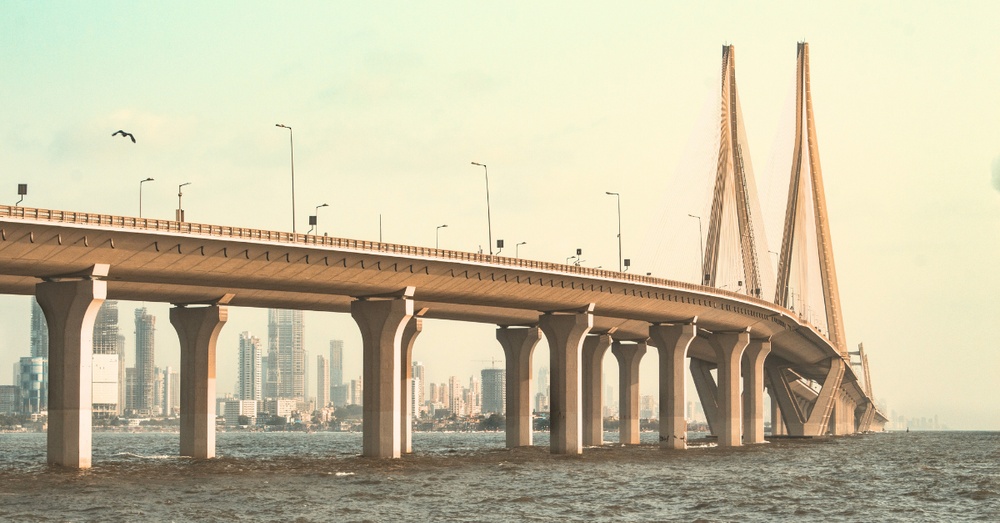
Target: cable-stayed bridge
[{"x": 736, "y": 341}]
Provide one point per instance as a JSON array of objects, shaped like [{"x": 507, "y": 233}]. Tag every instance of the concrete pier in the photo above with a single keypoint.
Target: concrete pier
[
  {"x": 70, "y": 308},
  {"x": 753, "y": 390},
  {"x": 628, "y": 355},
  {"x": 708, "y": 393},
  {"x": 382, "y": 321},
  {"x": 729, "y": 353},
  {"x": 672, "y": 342},
  {"x": 198, "y": 330},
  {"x": 410, "y": 333},
  {"x": 518, "y": 344},
  {"x": 565, "y": 333},
  {"x": 594, "y": 348}
]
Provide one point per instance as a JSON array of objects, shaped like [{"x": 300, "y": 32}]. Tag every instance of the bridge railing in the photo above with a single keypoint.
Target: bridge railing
[{"x": 244, "y": 233}]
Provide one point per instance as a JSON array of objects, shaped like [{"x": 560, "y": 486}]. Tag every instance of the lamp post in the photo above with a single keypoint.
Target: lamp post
[
  {"x": 314, "y": 219},
  {"x": 180, "y": 208},
  {"x": 701, "y": 252},
  {"x": 140, "y": 193},
  {"x": 516, "y": 249},
  {"x": 291, "y": 148},
  {"x": 437, "y": 236},
  {"x": 619, "y": 198},
  {"x": 489, "y": 223}
]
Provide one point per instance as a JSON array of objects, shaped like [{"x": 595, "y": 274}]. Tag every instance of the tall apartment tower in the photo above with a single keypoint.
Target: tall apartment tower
[
  {"x": 109, "y": 362},
  {"x": 494, "y": 391},
  {"x": 286, "y": 363},
  {"x": 418, "y": 392},
  {"x": 145, "y": 327},
  {"x": 323, "y": 388},
  {"x": 250, "y": 370},
  {"x": 39, "y": 332},
  {"x": 336, "y": 362}
]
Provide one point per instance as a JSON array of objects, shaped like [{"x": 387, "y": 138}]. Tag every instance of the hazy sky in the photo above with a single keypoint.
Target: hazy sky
[{"x": 391, "y": 102}]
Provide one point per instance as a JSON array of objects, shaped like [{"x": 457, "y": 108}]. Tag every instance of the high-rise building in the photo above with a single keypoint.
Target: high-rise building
[
  {"x": 171, "y": 392},
  {"x": 322, "y": 381},
  {"x": 109, "y": 362},
  {"x": 286, "y": 356},
  {"x": 418, "y": 392},
  {"x": 494, "y": 391},
  {"x": 145, "y": 377},
  {"x": 39, "y": 332},
  {"x": 454, "y": 395},
  {"x": 10, "y": 399},
  {"x": 34, "y": 380},
  {"x": 250, "y": 368},
  {"x": 415, "y": 385},
  {"x": 336, "y": 364}
]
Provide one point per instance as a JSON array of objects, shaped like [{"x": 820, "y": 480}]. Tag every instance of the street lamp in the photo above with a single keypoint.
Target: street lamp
[
  {"x": 619, "y": 198},
  {"x": 291, "y": 147},
  {"x": 516, "y": 248},
  {"x": 314, "y": 219},
  {"x": 701, "y": 250},
  {"x": 180, "y": 208},
  {"x": 140, "y": 193},
  {"x": 437, "y": 236},
  {"x": 489, "y": 223}
]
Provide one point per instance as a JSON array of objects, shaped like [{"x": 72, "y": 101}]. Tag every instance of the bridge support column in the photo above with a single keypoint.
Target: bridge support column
[
  {"x": 777, "y": 424},
  {"x": 594, "y": 348},
  {"x": 198, "y": 330},
  {"x": 815, "y": 421},
  {"x": 70, "y": 308},
  {"x": 865, "y": 420},
  {"x": 565, "y": 333},
  {"x": 753, "y": 390},
  {"x": 672, "y": 342},
  {"x": 628, "y": 356},
  {"x": 729, "y": 352},
  {"x": 518, "y": 344},
  {"x": 382, "y": 322},
  {"x": 708, "y": 393},
  {"x": 410, "y": 332}
]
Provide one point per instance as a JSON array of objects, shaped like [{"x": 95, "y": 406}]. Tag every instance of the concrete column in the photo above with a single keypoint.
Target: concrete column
[
  {"x": 382, "y": 322},
  {"x": 708, "y": 393},
  {"x": 729, "y": 352},
  {"x": 518, "y": 344},
  {"x": 777, "y": 424},
  {"x": 410, "y": 332},
  {"x": 565, "y": 333},
  {"x": 628, "y": 356},
  {"x": 753, "y": 390},
  {"x": 70, "y": 308},
  {"x": 672, "y": 342},
  {"x": 198, "y": 330},
  {"x": 594, "y": 348}
]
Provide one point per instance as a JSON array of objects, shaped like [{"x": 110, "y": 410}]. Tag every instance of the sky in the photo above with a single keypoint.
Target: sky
[{"x": 391, "y": 102}]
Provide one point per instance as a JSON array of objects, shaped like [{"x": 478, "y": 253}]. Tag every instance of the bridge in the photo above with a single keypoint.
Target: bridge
[{"x": 735, "y": 343}]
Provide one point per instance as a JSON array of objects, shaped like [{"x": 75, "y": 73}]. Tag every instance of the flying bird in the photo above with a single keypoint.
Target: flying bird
[{"x": 123, "y": 133}]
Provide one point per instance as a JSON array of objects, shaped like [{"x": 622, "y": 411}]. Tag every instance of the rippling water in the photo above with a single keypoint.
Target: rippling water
[{"x": 942, "y": 476}]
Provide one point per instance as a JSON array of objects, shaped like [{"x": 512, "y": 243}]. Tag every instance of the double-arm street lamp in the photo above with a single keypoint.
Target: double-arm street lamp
[
  {"x": 180, "y": 208},
  {"x": 489, "y": 223},
  {"x": 140, "y": 193},
  {"x": 516, "y": 250},
  {"x": 619, "y": 198},
  {"x": 291, "y": 147}
]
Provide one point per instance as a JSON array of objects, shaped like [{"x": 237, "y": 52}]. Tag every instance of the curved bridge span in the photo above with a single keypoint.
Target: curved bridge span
[{"x": 71, "y": 260}]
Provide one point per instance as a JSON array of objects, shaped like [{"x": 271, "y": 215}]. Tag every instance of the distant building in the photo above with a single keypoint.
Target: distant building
[
  {"x": 171, "y": 392},
  {"x": 356, "y": 392},
  {"x": 286, "y": 376},
  {"x": 323, "y": 388},
  {"x": 418, "y": 373},
  {"x": 339, "y": 395},
  {"x": 131, "y": 391},
  {"x": 34, "y": 384},
  {"x": 336, "y": 363},
  {"x": 109, "y": 356},
  {"x": 281, "y": 407},
  {"x": 250, "y": 368},
  {"x": 415, "y": 386},
  {"x": 39, "y": 337},
  {"x": 145, "y": 366},
  {"x": 233, "y": 409},
  {"x": 494, "y": 391},
  {"x": 10, "y": 399}
]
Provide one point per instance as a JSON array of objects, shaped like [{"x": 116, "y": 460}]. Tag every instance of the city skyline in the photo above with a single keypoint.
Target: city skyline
[{"x": 388, "y": 116}]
